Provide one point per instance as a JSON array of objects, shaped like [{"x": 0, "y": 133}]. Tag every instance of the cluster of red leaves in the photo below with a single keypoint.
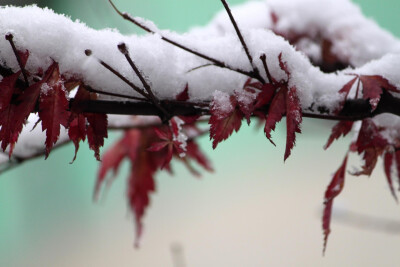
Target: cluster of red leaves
[
  {"x": 149, "y": 150},
  {"x": 48, "y": 97},
  {"x": 276, "y": 98},
  {"x": 370, "y": 143}
]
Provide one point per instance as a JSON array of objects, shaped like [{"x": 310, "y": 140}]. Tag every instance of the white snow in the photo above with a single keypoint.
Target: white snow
[{"x": 358, "y": 40}]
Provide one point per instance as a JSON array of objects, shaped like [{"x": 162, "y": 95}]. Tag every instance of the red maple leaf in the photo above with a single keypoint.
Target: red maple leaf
[
  {"x": 341, "y": 128},
  {"x": 53, "y": 106},
  {"x": 96, "y": 131},
  {"x": 92, "y": 125},
  {"x": 388, "y": 162},
  {"x": 184, "y": 95},
  {"x": 285, "y": 101},
  {"x": 77, "y": 130},
  {"x": 14, "y": 114},
  {"x": 293, "y": 119},
  {"x": 144, "y": 164},
  {"x": 371, "y": 143},
  {"x": 333, "y": 190},
  {"x": 7, "y": 87},
  {"x": 372, "y": 86},
  {"x": 225, "y": 118}
]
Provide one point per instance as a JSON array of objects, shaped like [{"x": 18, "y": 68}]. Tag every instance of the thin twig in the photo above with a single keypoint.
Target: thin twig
[
  {"x": 240, "y": 36},
  {"x": 89, "y": 89},
  {"x": 9, "y": 37},
  {"x": 201, "y": 66},
  {"x": 124, "y": 50},
  {"x": 217, "y": 62},
  {"x": 119, "y": 75},
  {"x": 263, "y": 58}
]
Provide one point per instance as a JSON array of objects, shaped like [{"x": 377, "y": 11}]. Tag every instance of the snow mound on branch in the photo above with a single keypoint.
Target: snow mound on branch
[{"x": 51, "y": 36}]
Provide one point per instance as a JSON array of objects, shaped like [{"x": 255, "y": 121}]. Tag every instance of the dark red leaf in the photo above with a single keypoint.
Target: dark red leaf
[
  {"x": 265, "y": 96},
  {"x": 96, "y": 131},
  {"x": 13, "y": 117},
  {"x": 225, "y": 118},
  {"x": 276, "y": 111},
  {"x": 346, "y": 90},
  {"x": 184, "y": 95},
  {"x": 372, "y": 88},
  {"x": 77, "y": 130},
  {"x": 193, "y": 151},
  {"x": 388, "y": 162},
  {"x": 371, "y": 143},
  {"x": 342, "y": 128},
  {"x": 7, "y": 87},
  {"x": 333, "y": 190},
  {"x": 245, "y": 101},
  {"x": 293, "y": 119},
  {"x": 126, "y": 147},
  {"x": 397, "y": 158},
  {"x": 53, "y": 107}
]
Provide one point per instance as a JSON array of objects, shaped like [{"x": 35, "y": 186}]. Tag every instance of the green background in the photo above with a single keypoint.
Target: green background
[{"x": 253, "y": 211}]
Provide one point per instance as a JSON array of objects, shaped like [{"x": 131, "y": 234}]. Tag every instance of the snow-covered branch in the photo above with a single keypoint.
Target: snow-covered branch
[{"x": 265, "y": 59}]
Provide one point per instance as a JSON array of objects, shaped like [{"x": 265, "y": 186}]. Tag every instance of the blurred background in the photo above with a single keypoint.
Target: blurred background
[{"x": 253, "y": 211}]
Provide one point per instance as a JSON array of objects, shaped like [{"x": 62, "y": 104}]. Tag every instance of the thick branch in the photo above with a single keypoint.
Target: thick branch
[{"x": 353, "y": 110}]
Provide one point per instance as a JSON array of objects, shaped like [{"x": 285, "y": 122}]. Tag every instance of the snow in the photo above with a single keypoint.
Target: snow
[{"x": 355, "y": 39}]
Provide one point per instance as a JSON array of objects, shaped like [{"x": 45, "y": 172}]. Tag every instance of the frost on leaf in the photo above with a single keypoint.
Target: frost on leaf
[
  {"x": 372, "y": 86},
  {"x": 169, "y": 139},
  {"x": 284, "y": 102},
  {"x": 53, "y": 107},
  {"x": 225, "y": 117},
  {"x": 90, "y": 125},
  {"x": 334, "y": 188}
]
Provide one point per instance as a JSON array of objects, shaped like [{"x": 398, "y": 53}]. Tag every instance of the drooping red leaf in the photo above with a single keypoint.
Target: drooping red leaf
[
  {"x": 225, "y": 118},
  {"x": 333, "y": 190},
  {"x": 184, "y": 95},
  {"x": 372, "y": 88},
  {"x": 245, "y": 100},
  {"x": 293, "y": 119},
  {"x": 77, "y": 130},
  {"x": 7, "y": 87},
  {"x": 193, "y": 151},
  {"x": 96, "y": 131},
  {"x": 53, "y": 107},
  {"x": 12, "y": 117},
  {"x": 345, "y": 90},
  {"x": 342, "y": 128},
  {"x": 96, "y": 127},
  {"x": 265, "y": 96},
  {"x": 397, "y": 153},
  {"x": 126, "y": 147},
  {"x": 388, "y": 162},
  {"x": 276, "y": 111},
  {"x": 170, "y": 140},
  {"x": 371, "y": 143}
]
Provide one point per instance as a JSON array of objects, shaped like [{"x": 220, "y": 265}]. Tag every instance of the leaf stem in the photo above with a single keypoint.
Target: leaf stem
[{"x": 10, "y": 37}]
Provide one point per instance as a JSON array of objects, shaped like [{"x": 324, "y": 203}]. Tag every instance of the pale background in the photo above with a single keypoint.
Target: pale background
[{"x": 253, "y": 211}]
